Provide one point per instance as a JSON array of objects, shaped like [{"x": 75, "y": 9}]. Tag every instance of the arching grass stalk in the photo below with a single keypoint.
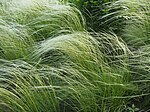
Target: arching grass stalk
[
  {"x": 15, "y": 41},
  {"x": 136, "y": 31},
  {"x": 65, "y": 68},
  {"x": 86, "y": 54},
  {"x": 44, "y": 18},
  {"x": 22, "y": 26},
  {"x": 83, "y": 78},
  {"x": 136, "y": 34}
]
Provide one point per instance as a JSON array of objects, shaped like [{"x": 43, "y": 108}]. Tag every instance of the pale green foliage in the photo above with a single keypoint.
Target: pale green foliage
[
  {"x": 49, "y": 62},
  {"x": 14, "y": 41},
  {"x": 137, "y": 28}
]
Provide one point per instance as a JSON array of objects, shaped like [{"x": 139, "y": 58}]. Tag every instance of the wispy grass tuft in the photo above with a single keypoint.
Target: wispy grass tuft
[
  {"x": 15, "y": 41},
  {"x": 49, "y": 62}
]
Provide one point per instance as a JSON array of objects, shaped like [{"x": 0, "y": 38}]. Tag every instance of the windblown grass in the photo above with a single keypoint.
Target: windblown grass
[
  {"x": 137, "y": 28},
  {"x": 136, "y": 34},
  {"x": 15, "y": 41},
  {"x": 49, "y": 62}
]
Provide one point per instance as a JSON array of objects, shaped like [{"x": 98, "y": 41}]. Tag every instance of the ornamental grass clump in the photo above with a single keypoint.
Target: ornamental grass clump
[
  {"x": 15, "y": 42},
  {"x": 49, "y": 62},
  {"x": 136, "y": 34},
  {"x": 137, "y": 29},
  {"x": 46, "y": 18}
]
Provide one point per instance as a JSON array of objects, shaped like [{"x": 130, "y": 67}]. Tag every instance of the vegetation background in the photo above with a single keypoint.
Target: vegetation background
[{"x": 74, "y": 56}]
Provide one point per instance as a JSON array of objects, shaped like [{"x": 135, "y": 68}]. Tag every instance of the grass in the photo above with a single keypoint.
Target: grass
[{"x": 49, "y": 62}]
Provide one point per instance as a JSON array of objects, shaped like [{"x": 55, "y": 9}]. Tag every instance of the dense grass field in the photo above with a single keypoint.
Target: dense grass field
[{"x": 74, "y": 56}]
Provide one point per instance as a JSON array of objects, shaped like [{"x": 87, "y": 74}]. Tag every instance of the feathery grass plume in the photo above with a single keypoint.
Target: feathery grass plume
[
  {"x": 70, "y": 69},
  {"x": 72, "y": 89},
  {"x": 139, "y": 65},
  {"x": 137, "y": 29},
  {"x": 136, "y": 34},
  {"x": 76, "y": 46},
  {"x": 25, "y": 88},
  {"x": 85, "y": 53},
  {"x": 17, "y": 80},
  {"x": 45, "y": 18},
  {"x": 100, "y": 14},
  {"x": 14, "y": 41},
  {"x": 111, "y": 45}
]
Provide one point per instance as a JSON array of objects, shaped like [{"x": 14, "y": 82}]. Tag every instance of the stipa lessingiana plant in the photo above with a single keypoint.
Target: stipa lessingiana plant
[
  {"x": 31, "y": 22},
  {"x": 139, "y": 64},
  {"x": 15, "y": 41},
  {"x": 18, "y": 91},
  {"x": 136, "y": 34},
  {"x": 53, "y": 64},
  {"x": 83, "y": 79},
  {"x": 100, "y": 14},
  {"x": 86, "y": 54},
  {"x": 26, "y": 88},
  {"x": 136, "y": 31},
  {"x": 45, "y": 18}
]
